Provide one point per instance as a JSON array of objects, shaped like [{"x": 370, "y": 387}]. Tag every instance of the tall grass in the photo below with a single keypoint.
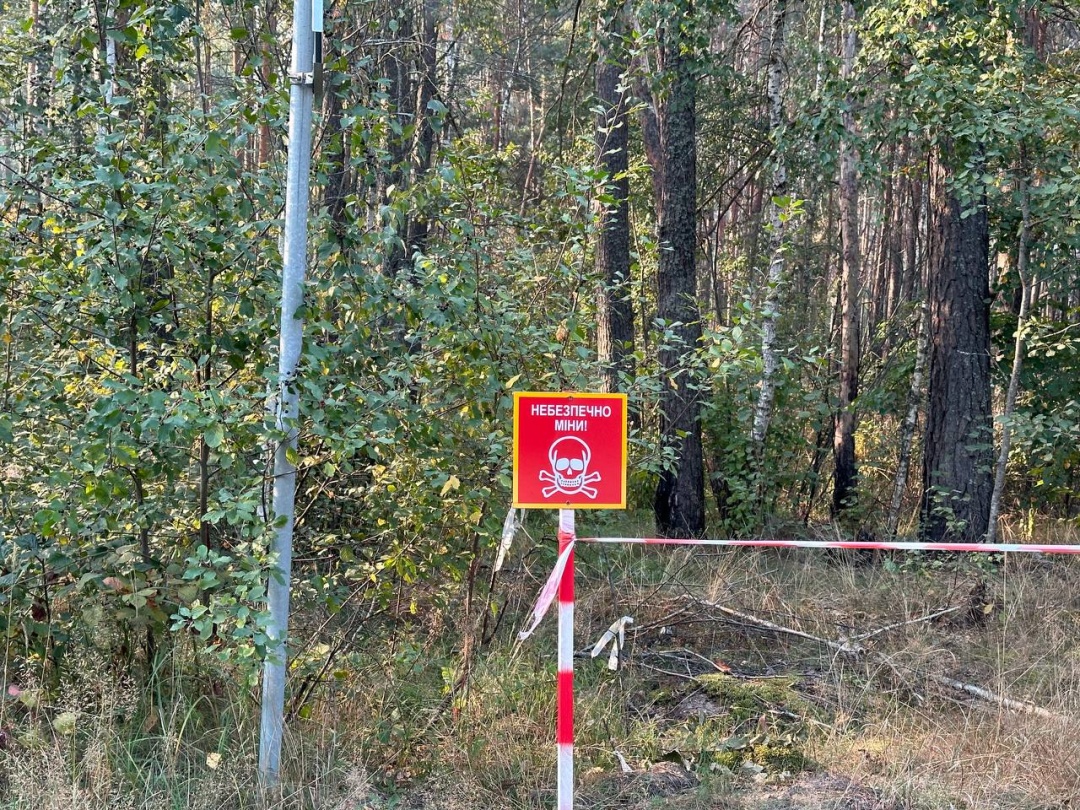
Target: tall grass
[{"x": 406, "y": 719}]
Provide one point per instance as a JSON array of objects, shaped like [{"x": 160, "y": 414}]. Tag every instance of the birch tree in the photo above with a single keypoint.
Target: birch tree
[{"x": 779, "y": 211}]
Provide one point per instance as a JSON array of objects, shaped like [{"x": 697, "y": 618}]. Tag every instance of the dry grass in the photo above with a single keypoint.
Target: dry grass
[
  {"x": 387, "y": 732},
  {"x": 890, "y": 727}
]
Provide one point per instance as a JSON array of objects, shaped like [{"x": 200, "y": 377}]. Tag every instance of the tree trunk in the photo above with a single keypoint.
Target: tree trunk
[
  {"x": 680, "y": 493},
  {"x": 33, "y": 23},
  {"x": 819, "y": 73},
  {"x": 264, "y": 146},
  {"x": 912, "y": 217},
  {"x": 957, "y": 456},
  {"x": 915, "y": 238},
  {"x": 614, "y": 307},
  {"x": 424, "y": 141},
  {"x": 394, "y": 175},
  {"x": 907, "y": 434},
  {"x": 1022, "y": 254},
  {"x": 844, "y": 471},
  {"x": 650, "y": 140},
  {"x": 777, "y": 233},
  {"x": 339, "y": 176}
]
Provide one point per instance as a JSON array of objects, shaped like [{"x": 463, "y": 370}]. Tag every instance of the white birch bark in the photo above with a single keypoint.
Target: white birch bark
[
  {"x": 110, "y": 56},
  {"x": 777, "y": 233},
  {"x": 819, "y": 73}
]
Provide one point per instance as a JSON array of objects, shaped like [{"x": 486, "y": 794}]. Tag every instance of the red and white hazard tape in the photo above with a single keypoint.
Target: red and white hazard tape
[
  {"x": 615, "y": 636},
  {"x": 898, "y": 545},
  {"x": 551, "y": 587},
  {"x": 561, "y": 582}
]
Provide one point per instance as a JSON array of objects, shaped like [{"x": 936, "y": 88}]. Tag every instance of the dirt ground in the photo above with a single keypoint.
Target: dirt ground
[
  {"x": 666, "y": 786},
  {"x": 812, "y": 792}
]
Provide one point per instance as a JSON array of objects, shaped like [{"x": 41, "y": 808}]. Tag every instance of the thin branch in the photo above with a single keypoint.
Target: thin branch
[
  {"x": 928, "y": 618},
  {"x": 687, "y": 677}
]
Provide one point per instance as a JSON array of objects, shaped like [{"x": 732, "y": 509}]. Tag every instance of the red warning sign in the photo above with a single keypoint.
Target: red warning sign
[{"x": 569, "y": 450}]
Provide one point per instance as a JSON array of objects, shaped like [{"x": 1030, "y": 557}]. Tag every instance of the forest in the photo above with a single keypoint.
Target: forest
[{"x": 829, "y": 249}]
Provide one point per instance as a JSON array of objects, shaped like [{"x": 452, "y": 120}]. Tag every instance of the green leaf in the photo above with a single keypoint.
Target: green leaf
[{"x": 214, "y": 435}]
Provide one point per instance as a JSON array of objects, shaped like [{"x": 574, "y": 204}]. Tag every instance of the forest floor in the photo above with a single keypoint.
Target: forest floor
[
  {"x": 750, "y": 680},
  {"x": 803, "y": 680}
]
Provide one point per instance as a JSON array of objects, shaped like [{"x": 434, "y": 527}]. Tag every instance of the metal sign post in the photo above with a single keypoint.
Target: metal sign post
[
  {"x": 294, "y": 267},
  {"x": 564, "y": 721}
]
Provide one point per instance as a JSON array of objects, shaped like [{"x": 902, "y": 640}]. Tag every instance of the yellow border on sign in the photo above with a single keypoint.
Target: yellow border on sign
[{"x": 622, "y": 445}]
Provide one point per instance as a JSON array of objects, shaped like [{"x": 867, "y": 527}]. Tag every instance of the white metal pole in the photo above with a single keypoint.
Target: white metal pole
[
  {"x": 564, "y": 723},
  {"x": 294, "y": 263}
]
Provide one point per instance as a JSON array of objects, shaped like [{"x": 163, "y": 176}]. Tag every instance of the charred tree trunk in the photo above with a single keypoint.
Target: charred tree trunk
[
  {"x": 845, "y": 474},
  {"x": 680, "y": 493}
]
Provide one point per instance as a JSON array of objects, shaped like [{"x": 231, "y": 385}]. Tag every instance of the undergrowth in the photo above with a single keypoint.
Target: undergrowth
[{"x": 412, "y": 716}]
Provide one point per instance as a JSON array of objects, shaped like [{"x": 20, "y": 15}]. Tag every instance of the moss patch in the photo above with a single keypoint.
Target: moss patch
[
  {"x": 774, "y": 756},
  {"x": 748, "y": 698},
  {"x": 770, "y": 713}
]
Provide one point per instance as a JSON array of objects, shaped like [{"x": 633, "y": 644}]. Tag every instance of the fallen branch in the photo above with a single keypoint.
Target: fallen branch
[
  {"x": 682, "y": 652},
  {"x": 846, "y": 647},
  {"x": 928, "y": 618},
  {"x": 687, "y": 677},
  {"x": 987, "y": 695}
]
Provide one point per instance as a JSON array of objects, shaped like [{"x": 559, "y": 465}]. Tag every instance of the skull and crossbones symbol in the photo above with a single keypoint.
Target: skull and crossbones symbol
[{"x": 569, "y": 457}]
